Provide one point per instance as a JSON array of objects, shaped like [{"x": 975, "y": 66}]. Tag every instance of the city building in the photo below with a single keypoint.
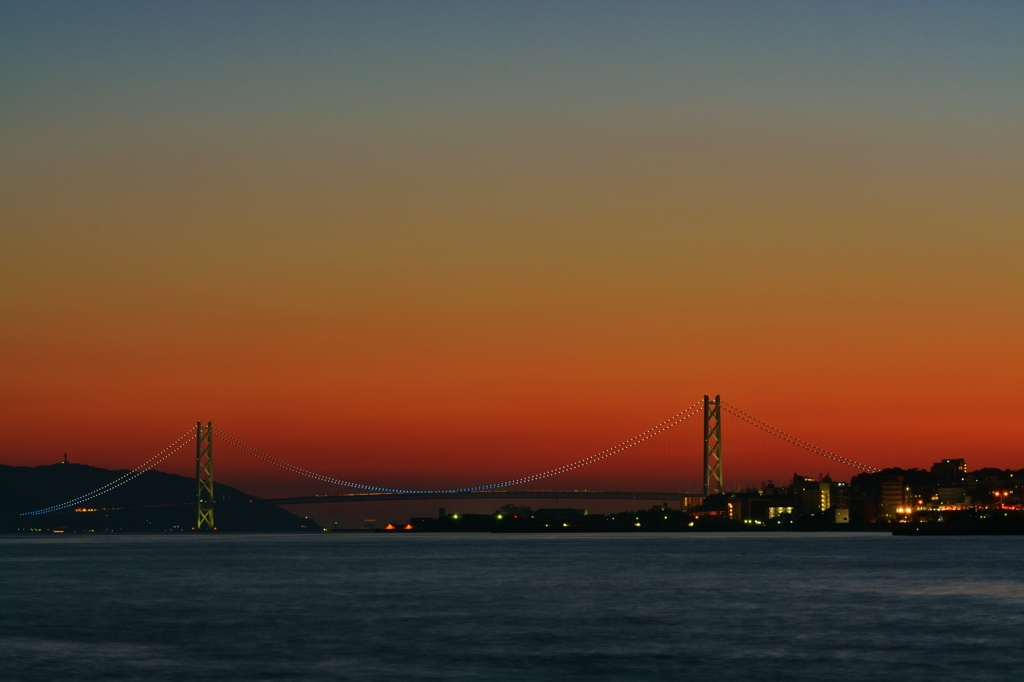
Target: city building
[
  {"x": 891, "y": 497},
  {"x": 951, "y": 496},
  {"x": 950, "y": 471}
]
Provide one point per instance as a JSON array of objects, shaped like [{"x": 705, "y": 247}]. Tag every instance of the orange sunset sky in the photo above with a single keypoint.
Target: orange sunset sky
[{"x": 391, "y": 241}]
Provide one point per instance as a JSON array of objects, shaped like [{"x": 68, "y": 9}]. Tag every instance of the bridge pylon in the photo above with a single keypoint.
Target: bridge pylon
[
  {"x": 204, "y": 476},
  {"x": 713, "y": 481}
]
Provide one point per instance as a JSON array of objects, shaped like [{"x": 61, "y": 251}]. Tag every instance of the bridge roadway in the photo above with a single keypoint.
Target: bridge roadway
[{"x": 485, "y": 495}]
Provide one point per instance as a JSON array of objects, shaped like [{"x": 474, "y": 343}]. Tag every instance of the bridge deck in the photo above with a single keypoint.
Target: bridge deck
[{"x": 486, "y": 495}]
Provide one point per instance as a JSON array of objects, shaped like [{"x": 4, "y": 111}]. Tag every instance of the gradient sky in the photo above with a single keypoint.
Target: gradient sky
[{"x": 415, "y": 239}]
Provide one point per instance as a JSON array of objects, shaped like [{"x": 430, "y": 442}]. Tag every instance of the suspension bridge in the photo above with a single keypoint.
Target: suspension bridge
[{"x": 659, "y": 463}]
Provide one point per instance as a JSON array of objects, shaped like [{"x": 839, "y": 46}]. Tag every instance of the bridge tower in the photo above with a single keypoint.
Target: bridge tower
[
  {"x": 713, "y": 481},
  {"x": 204, "y": 476}
]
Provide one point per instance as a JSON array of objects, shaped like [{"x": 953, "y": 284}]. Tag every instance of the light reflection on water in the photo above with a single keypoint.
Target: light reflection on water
[{"x": 494, "y": 607}]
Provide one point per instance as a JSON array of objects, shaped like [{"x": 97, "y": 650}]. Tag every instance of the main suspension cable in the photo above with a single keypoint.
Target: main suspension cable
[
  {"x": 678, "y": 418},
  {"x": 782, "y": 435},
  {"x": 178, "y": 444},
  {"x": 586, "y": 461}
]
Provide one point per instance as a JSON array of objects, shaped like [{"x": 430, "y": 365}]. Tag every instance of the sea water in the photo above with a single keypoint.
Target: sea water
[{"x": 334, "y": 606}]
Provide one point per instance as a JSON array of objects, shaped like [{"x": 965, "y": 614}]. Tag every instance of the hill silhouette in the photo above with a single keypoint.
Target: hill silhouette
[{"x": 153, "y": 502}]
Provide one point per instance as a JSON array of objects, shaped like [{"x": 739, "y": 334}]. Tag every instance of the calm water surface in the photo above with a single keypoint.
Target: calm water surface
[{"x": 487, "y": 607}]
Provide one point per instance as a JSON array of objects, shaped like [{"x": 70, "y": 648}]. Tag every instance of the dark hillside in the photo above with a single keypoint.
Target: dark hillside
[{"x": 155, "y": 501}]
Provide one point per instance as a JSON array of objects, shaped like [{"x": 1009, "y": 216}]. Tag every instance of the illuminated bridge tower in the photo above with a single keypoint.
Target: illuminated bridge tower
[
  {"x": 713, "y": 481},
  {"x": 204, "y": 476}
]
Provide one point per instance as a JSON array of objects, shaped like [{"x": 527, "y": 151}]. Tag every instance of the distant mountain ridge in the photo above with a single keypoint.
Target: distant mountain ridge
[{"x": 153, "y": 502}]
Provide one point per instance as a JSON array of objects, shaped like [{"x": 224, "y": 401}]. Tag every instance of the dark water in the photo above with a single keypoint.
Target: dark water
[{"x": 485, "y": 607}]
